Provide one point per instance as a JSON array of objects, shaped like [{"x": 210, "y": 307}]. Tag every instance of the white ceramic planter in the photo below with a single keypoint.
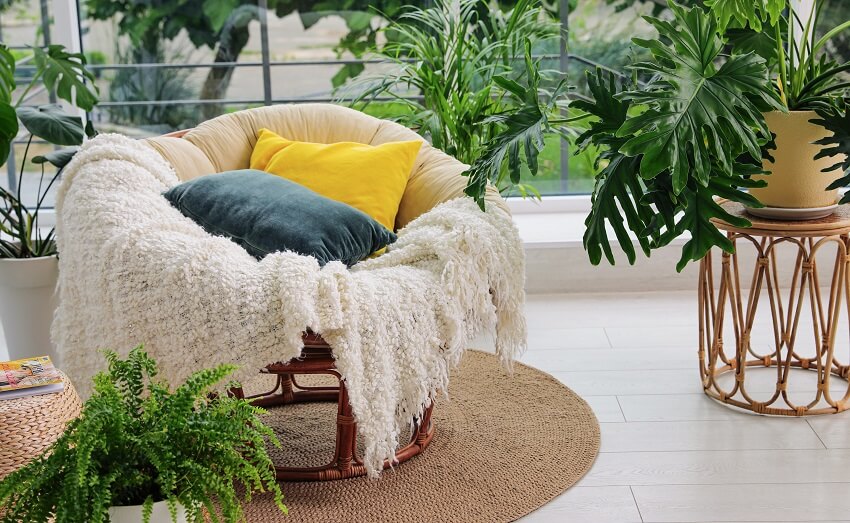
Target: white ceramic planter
[
  {"x": 133, "y": 514},
  {"x": 796, "y": 180},
  {"x": 27, "y": 303}
]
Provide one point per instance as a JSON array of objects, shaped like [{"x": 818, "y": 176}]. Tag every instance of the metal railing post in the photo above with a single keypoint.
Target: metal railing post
[
  {"x": 67, "y": 17},
  {"x": 11, "y": 174},
  {"x": 264, "y": 49},
  {"x": 564, "y": 63}
]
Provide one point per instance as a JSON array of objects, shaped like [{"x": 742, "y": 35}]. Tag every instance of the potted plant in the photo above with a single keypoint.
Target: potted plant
[
  {"x": 667, "y": 147},
  {"x": 28, "y": 264},
  {"x": 141, "y": 452},
  {"x": 809, "y": 82},
  {"x": 462, "y": 58}
]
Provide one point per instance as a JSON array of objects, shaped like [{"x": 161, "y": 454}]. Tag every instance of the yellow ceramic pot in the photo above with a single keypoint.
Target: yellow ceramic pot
[{"x": 796, "y": 180}]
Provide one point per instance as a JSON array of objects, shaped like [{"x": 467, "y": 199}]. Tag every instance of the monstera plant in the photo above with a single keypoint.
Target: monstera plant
[
  {"x": 668, "y": 147},
  {"x": 66, "y": 75},
  {"x": 694, "y": 132}
]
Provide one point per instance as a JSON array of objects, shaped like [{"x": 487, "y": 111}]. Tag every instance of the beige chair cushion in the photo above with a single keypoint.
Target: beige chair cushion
[{"x": 225, "y": 143}]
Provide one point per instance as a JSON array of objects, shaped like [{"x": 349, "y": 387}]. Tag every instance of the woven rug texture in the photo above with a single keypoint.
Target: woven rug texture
[{"x": 504, "y": 446}]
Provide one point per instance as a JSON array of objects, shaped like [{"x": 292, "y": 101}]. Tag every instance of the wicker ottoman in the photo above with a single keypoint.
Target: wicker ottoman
[{"x": 28, "y": 426}]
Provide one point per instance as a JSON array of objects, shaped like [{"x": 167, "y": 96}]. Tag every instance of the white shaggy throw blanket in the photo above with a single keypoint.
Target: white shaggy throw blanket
[{"x": 134, "y": 270}]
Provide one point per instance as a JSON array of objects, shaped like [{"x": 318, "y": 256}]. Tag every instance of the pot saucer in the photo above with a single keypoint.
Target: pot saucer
[{"x": 786, "y": 214}]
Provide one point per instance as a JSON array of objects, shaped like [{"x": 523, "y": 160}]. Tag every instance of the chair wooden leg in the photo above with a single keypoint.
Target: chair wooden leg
[
  {"x": 318, "y": 359},
  {"x": 346, "y": 433}
]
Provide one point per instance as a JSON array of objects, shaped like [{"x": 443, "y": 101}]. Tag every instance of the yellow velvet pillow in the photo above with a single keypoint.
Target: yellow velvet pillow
[{"x": 371, "y": 178}]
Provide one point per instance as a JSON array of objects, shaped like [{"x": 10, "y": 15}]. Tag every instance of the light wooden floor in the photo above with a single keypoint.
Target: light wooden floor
[{"x": 670, "y": 454}]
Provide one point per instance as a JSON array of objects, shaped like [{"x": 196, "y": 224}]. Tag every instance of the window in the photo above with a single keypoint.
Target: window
[{"x": 167, "y": 68}]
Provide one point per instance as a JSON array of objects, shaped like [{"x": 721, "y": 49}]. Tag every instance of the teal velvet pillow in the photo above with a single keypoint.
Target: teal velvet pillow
[{"x": 265, "y": 213}]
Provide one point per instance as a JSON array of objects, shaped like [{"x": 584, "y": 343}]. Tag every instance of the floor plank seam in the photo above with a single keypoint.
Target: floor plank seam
[
  {"x": 607, "y": 337},
  {"x": 721, "y": 484},
  {"x": 622, "y": 412},
  {"x": 818, "y": 435},
  {"x": 637, "y": 506},
  {"x": 788, "y": 420}
]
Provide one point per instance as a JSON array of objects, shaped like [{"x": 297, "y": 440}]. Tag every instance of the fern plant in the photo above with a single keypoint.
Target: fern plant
[{"x": 137, "y": 442}]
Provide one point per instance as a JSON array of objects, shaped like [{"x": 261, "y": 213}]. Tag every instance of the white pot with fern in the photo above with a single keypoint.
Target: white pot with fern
[
  {"x": 143, "y": 451},
  {"x": 29, "y": 267},
  {"x": 160, "y": 513}
]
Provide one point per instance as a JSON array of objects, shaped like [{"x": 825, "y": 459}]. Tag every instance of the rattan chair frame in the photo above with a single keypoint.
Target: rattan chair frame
[{"x": 317, "y": 358}]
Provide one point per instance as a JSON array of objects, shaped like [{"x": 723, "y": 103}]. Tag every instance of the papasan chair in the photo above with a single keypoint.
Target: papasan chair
[{"x": 134, "y": 270}]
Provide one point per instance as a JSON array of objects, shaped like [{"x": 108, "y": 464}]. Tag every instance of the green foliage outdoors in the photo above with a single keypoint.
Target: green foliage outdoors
[
  {"x": 156, "y": 83},
  {"x": 150, "y": 26},
  {"x": 138, "y": 442},
  {"x": 66, "y": 75},
  {"x": 223, "y": 26}
]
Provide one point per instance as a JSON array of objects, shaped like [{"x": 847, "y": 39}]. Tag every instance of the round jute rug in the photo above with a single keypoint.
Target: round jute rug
[{"x": 504, "y": 446}]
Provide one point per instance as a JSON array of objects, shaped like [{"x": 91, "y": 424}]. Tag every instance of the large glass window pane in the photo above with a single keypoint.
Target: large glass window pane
[
  {"x": 600, "y": 35},
  {"x": 25, "y": 24},
  {"x": 164, "y": 66}
]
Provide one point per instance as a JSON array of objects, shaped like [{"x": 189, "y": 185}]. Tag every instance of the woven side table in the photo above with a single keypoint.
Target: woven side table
[
  {"x": 729, "y": 301},
  {"x": 28, "y": 426}
]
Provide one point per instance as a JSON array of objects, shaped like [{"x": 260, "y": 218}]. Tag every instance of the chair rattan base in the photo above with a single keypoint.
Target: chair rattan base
[{"x": 316, "y": 358}]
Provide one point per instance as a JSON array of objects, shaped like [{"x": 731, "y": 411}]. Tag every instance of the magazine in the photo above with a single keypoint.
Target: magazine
[{"x": 29, "y": 377}]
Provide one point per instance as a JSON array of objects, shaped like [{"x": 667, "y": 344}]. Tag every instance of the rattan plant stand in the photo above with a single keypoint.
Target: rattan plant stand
[
  {"x": 726, "y": 346},
  {"x": 317, "y": 358}
]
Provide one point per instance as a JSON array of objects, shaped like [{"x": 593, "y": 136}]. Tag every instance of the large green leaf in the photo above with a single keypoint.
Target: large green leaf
[
  {"x": 617, "y": 191},
  {"x": 218, "y": 11},
  {"x": 700, "y": 205},
  {"x": 838, "y": 144},
  {"x": 744, "y": 12},
  {"x": 8, "y": 130},
  {"x": 761, "y": 43},
  {"x": 66, "y": 74},
  {"x": 696, "y": 112},
  {"x": 8, "y": 119},
  {"x": 53, "y": 124},
  {"x": 58, "y": 158},
  {"x": 616, "y": 195}
]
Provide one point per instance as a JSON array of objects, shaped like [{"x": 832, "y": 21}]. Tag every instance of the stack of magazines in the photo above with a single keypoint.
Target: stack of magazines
[{"x": 29, "y": 377}]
